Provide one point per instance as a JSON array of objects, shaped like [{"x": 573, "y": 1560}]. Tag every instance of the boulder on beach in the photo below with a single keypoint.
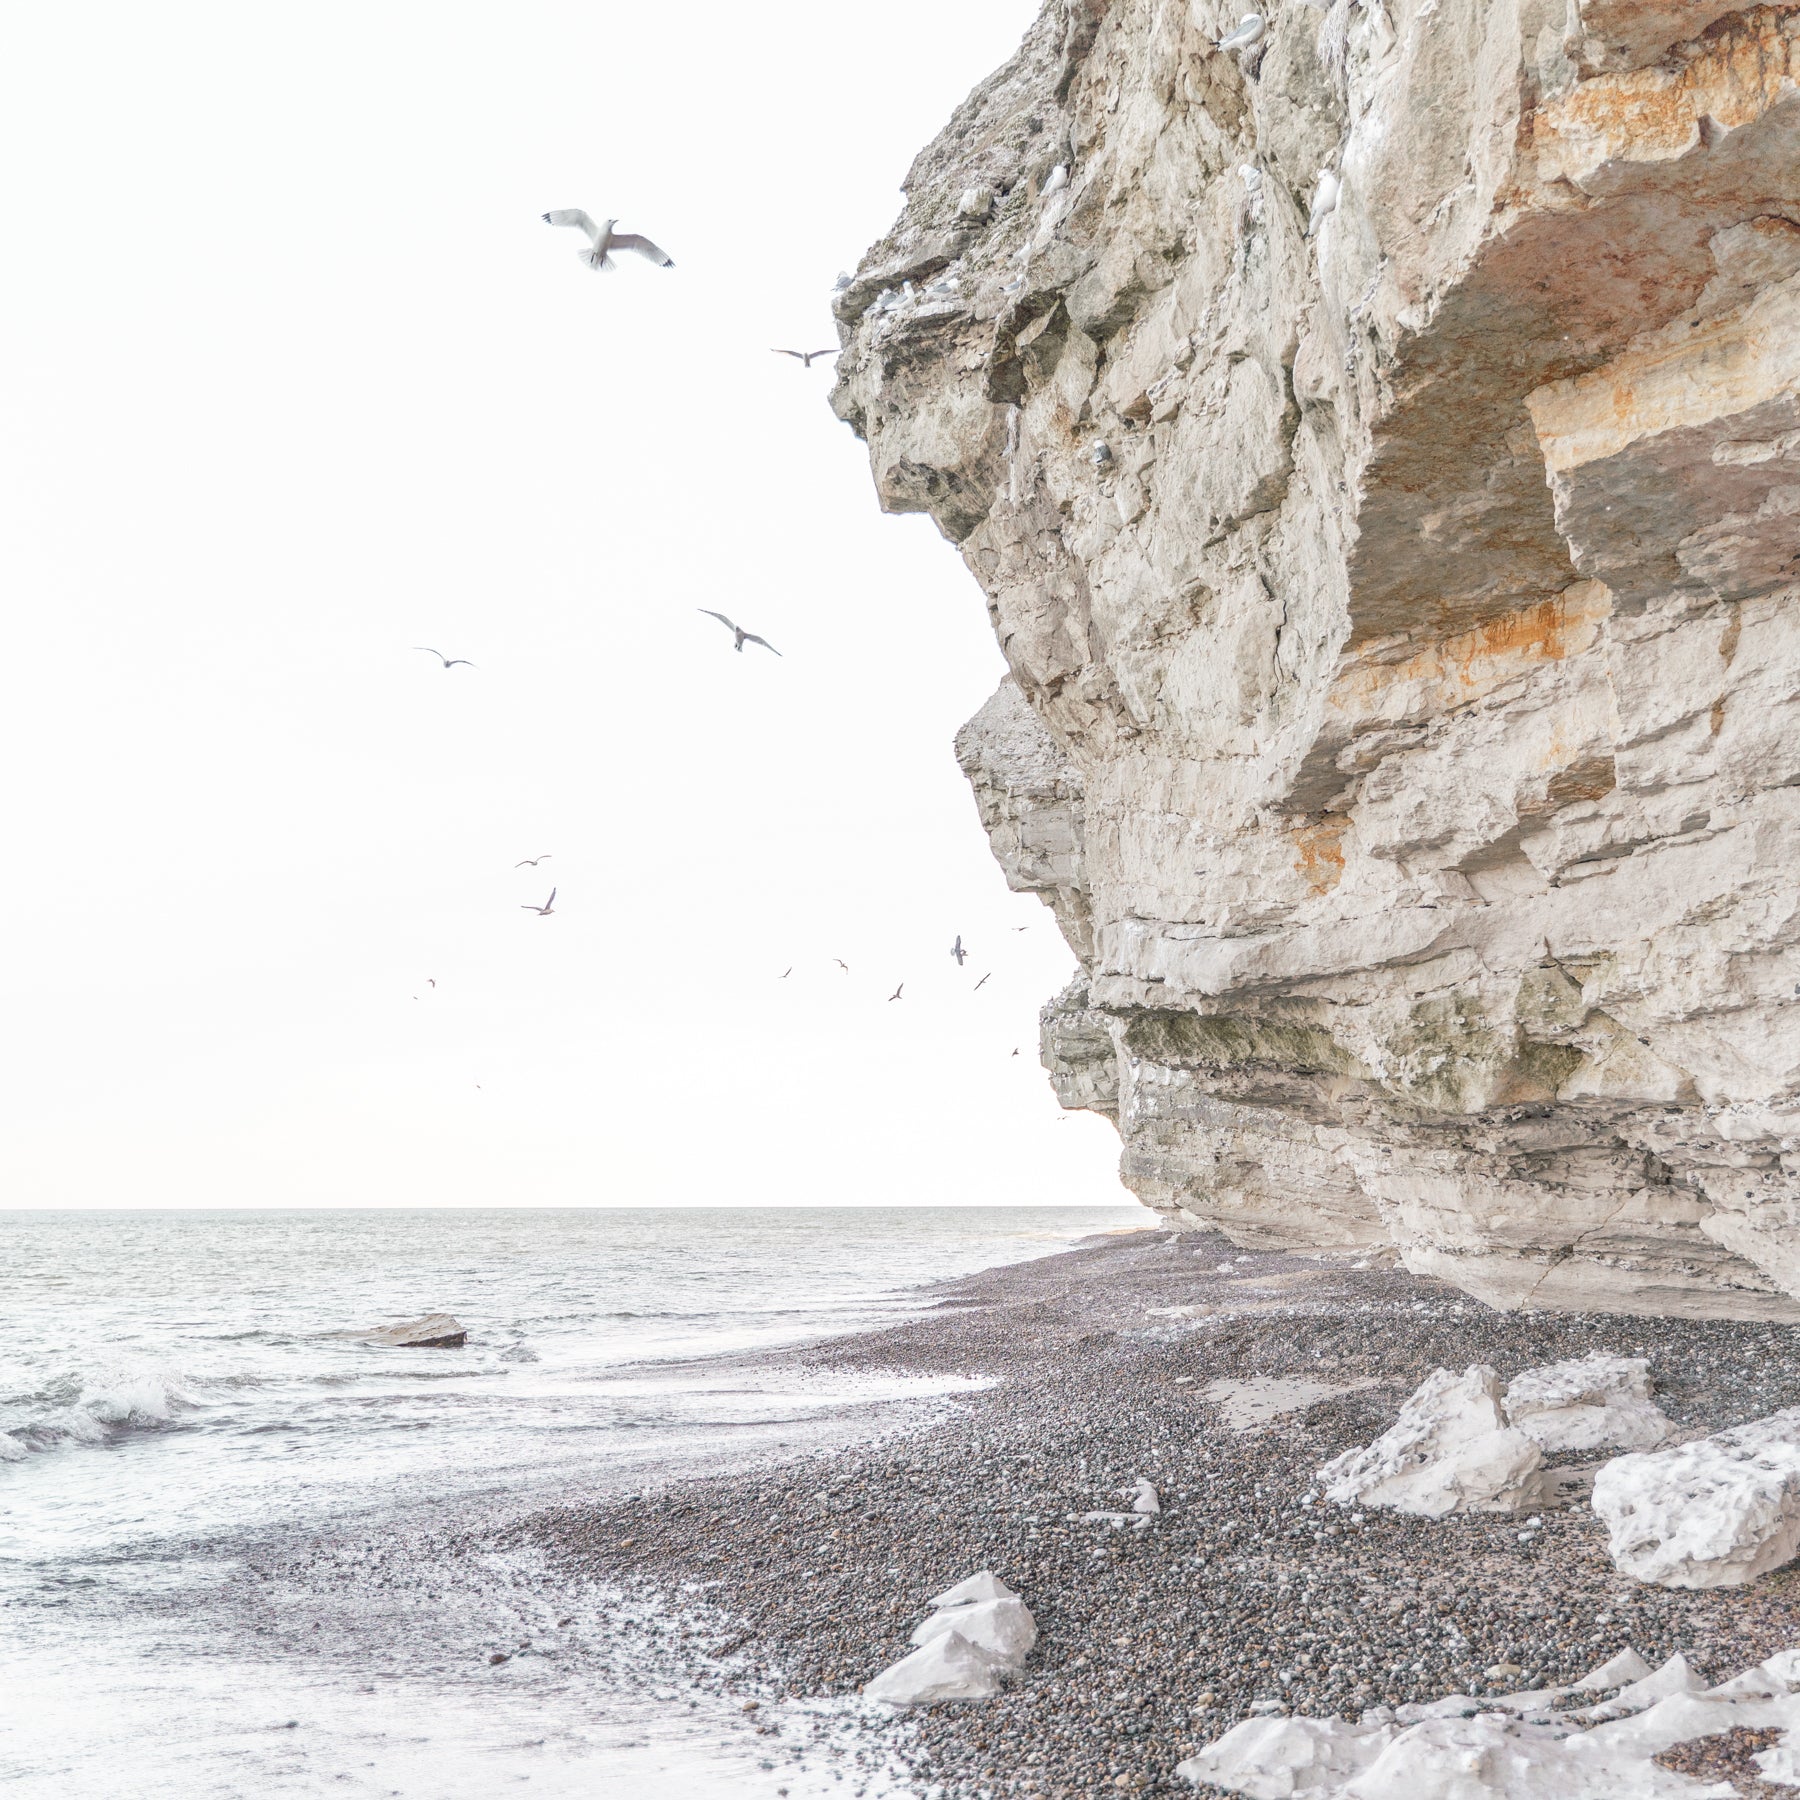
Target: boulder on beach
[
  {"x": 1450, "y": 1450},
  {"x": 1716, "y": 1512},
  {"x": 1147, "y": 1500},
  {"x": 978, "y": 1632},
  {"x": 434, "y": 1331},
  {"x": 1596, "y": 1402},
  {"x": 985, "y": 1586},
  {"x": 1004, "y": 1628},
  {"x": 947, "y": 1668}
]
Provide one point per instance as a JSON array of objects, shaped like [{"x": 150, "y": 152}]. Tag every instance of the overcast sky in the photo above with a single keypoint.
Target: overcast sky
[{"x": 295, "y": 379}]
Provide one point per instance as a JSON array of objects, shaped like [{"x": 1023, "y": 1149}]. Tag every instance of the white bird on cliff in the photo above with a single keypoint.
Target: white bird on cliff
[
  {"x": 1325, "y": 199},
  {"x": 743, "y": 637},
  {"x": 805, "y": 356},
  {"x": 1247, "y": 34},
  {"x": 449, "y": 662},
  {"x": 1012, "y": 287},
  {"x": 544, "y": 911},
  {"x": 958, "y": 951},
  {"x": 606, "y": 240},
  {"x": 1059, "y": 179}
]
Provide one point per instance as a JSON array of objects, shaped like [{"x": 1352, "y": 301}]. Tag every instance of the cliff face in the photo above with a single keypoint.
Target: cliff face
[{"x": 1404, "y": 711}]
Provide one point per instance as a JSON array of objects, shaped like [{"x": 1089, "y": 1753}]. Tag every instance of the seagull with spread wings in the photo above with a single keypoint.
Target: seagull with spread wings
[
  {"x": 531, "y": 862},
  {"x": 449, "y": 662},
  {"x": 743, "y": 637},
  {"x": 958, "y": 951},
  {"x": 976, "y": 989},
  {"x": 605, "y": 240},
  {"x": 805, "y": 356},
  {"x": 543, "y": 912},
  {"x": 895, "y": 995}
]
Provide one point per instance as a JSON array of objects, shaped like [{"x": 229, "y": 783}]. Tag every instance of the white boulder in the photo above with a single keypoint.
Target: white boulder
[
  {"x": 1712, "y": 1513},
  {"x": 1147, "y": 1499},
  {"x": 978, "y": 1632},
  {"x": 1450, "y": 1450},
  {"x": 1003, "y": 1628},
  {"x": 1274, "y": 1759},
  {"x": 985, "y": 1586},
  {"x": 947, "y": 1668},
  {"x": 1597, "y": 1402}
]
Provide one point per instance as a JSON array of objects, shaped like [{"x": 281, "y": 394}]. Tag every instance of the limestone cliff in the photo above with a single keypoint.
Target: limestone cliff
[{"x": 1404, "y": 712}]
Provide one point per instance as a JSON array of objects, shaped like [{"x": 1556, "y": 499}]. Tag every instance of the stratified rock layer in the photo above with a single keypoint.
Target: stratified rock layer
[{"x": 1404, "y": 710}]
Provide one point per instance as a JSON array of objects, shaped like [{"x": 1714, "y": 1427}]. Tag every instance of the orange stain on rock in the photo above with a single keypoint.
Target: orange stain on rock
[{"x": 1321, "y": 858}]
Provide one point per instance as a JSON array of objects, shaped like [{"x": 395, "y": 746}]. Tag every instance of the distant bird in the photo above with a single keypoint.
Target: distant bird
[
  {"x": 842, "y": 282},
  {"x": 805, "y": 356},
  {"x": 432, "y": 979},
  {"x": 1247, "y": 35},
  {"x": 606, "y": 240},
  {"x": 1059, "y": 179},
  {"x": 895, "y": 995},
  {"x": 976, "y": 989},
  {"x": 531, "y": 862},
  {"x": 785, "y": 973},
  {"x": 449, "y": 662},
  {"x": 543, "y": 912},
  {"x": 1012, "y": 287},
  {"x": 1015, "y": 1053},
  {"x": 958, "y": 951},
  {"x": 1021, "y": 928},
  {"x": 1325, "y": 199},
  {"x": 743, "y": 637},
  {"x": 841, "y": 964},
  {"x": 945, "y": 289}
]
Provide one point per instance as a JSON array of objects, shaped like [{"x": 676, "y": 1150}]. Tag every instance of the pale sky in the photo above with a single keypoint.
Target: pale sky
[{"x": 295, "y": 378}]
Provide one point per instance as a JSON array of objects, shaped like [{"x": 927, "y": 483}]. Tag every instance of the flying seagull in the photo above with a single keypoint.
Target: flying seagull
[
  {"x": 432, "y": 979},
  {"x": 895, "y": 995},
  {"x": 743, "y": 637},
  {"x": 449, "y": 662},
  {"x": 1021, "y": 928},
  {"x": 841, "y": 964},
  {"x": 531, "y": 862},
  {"x": 976, "y": 989},
  {"x": 785, "y": 973},
  {"x": 606, "y": 240},
  {"x": 958, "y": 951},
  {"x": 805, "y": 356},
  {"x": 543, "y": 912}
]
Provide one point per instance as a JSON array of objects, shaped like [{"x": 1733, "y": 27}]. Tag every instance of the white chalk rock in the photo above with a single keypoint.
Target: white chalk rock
[
  {"x": 985, "y": 1586},
  {"x": 1003, "y": 1628},
  {"x": 1450, "y": 1450},
  {"x": 1147, "y": 1500},
  {"x": 1596, "y": 1402},
  {"x": 1712, "y": 1513},
  {"x": 947, "y": 1668},
  {"x": 1674, "y": 1677},
  {"x": 1272, "y": 1759},
  {"x": 1616, "y": 1671}
]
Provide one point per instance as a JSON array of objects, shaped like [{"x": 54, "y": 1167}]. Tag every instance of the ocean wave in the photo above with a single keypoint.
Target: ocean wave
[{"x": 94, "y": 1407}]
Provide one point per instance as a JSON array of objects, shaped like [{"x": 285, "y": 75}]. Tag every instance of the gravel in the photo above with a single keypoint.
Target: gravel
[{"x": 1154, "y": 1641}]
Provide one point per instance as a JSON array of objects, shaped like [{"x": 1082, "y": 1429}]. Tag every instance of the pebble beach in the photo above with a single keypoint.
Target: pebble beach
[{"x": 1226, "y": 1379}]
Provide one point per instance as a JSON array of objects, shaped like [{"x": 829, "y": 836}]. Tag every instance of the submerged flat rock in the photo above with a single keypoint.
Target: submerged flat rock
[{"x": 432, "y": 1331}]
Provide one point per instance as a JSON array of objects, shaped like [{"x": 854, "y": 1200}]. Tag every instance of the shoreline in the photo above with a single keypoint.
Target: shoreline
[{"x": 811, "y": 1570}]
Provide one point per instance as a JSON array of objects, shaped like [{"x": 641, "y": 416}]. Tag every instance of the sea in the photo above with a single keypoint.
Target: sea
[{"x": 179, "y": 1414}]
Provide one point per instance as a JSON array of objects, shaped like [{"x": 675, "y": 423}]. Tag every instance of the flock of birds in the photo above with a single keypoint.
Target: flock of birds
[{"x": 603, "y": 241}]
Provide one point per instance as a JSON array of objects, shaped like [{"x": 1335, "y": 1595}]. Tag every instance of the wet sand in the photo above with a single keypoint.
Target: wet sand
[{"x": 1141, "y": 1356}]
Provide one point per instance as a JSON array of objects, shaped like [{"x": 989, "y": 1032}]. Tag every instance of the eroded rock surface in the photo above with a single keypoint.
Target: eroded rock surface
[{"x": 1404, "y": 711}]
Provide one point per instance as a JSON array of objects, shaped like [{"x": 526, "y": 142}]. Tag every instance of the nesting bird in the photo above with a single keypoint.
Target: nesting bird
[
  {"x": 1325, "y": 199},
  {"x": 1100, "y": 455},
  {"x": 1248, "y": 33},
  {"x": 1059, "y": 179},
  {"x": 598, "y": 256}
]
